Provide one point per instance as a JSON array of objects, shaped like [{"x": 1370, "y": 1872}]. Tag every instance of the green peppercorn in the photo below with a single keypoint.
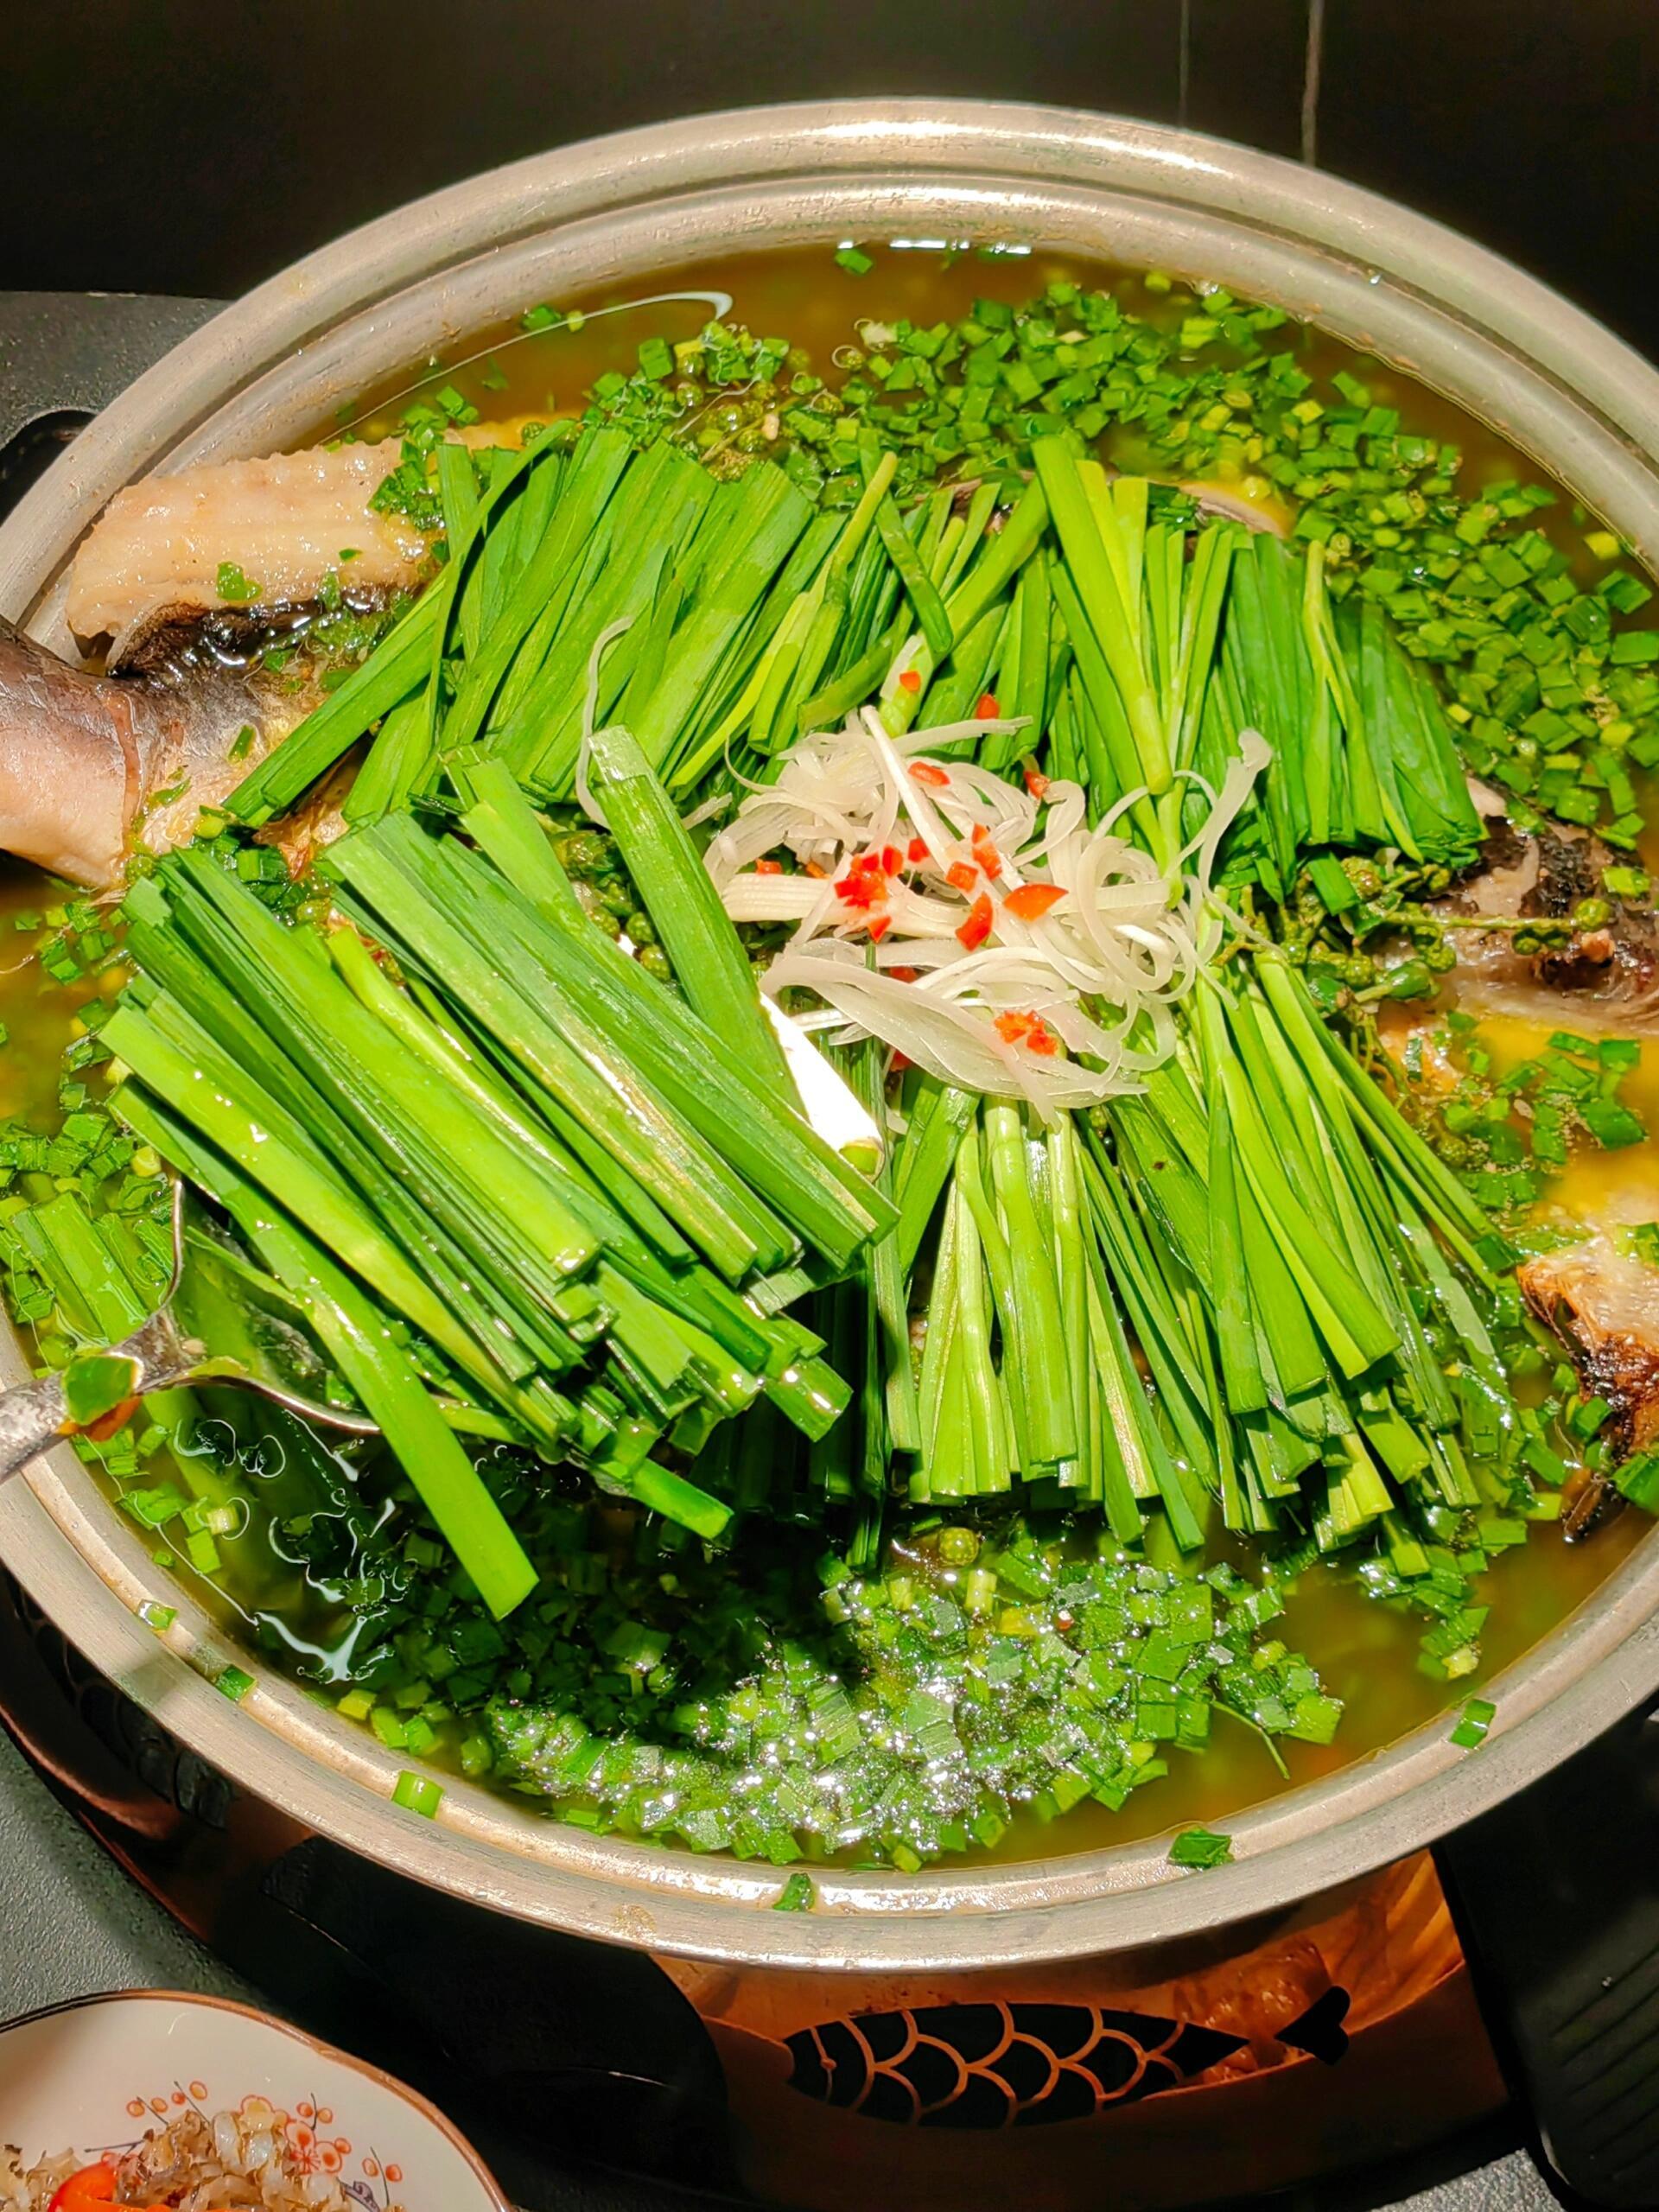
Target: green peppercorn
[
  {"x": 1326, "y": 984},
  {"x": 1439, "y": 958},
  {"x": 1529, "y": 940},
  {"x": 594, "y": 906},
  {"x": 584, "y": 853},
  {"x": 1365, "y": 876},
  {"x": 655, "y": 961},
  {"x": 616, "y": 896},
  {"x": 1591, "y": 914},
  {"x": 1410, "y": 980},
  {"x": 640, "y": 928}
]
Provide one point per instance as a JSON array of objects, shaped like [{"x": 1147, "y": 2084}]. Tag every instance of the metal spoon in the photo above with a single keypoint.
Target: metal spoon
[{"x": 36, "y": 1415}]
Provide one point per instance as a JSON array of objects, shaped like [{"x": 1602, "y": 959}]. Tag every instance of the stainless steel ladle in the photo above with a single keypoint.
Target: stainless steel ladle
[{"x": 35, "y": 1415}]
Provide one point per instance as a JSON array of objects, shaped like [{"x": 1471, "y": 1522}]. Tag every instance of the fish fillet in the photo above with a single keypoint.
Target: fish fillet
[
  {"x": 1604, "y": 1305},
  {"x": 284, "y": 522},
  {"x": 1604, "y": 977}
]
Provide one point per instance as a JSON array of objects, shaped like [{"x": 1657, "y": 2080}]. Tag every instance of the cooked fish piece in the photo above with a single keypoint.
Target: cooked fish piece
[
  {"x": 1224, "y": 502},
  {"x": 1602, "y": 974},
  {"x": 90, "y": 765},
  {"x": 282, "y": 523},
  {"x": 1604, "y": 1305}
]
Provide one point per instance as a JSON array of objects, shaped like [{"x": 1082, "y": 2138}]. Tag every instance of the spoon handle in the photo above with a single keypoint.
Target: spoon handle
[
  {"x": 36, "y": 1415},
  {"x": 32, "y": 1416}
]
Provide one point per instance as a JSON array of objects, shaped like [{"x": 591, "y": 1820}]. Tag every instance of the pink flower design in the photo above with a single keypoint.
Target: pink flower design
[{"x": 302, "y": 2142}]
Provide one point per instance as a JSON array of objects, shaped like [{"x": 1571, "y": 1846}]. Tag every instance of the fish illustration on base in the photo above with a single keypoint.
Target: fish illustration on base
[{"x": 1023, "y": 2064}]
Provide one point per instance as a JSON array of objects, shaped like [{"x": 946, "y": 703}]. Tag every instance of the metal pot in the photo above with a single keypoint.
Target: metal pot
[{"x": 268, "y": 369}]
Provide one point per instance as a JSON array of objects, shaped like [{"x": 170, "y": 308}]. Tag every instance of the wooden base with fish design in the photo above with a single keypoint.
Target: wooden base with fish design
[{"x": 1342, "y": 2032}]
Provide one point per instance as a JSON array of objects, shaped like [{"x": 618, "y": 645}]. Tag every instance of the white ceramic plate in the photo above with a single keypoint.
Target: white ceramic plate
[{"x": 95, "y": 2076}]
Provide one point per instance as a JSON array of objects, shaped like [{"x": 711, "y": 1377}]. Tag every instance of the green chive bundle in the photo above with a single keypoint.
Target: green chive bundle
[
  {"x": 1251, "y": 1293},
  {"x": 531, "y": 1180}
]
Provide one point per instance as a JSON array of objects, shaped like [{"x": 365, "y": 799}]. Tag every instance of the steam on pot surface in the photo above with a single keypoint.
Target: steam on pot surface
[{"x": 1186, "y": 782}]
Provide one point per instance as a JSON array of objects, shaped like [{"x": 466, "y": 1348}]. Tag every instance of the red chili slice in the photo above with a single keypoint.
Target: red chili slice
[
  {"x": 917, "y": 850},
  {"x": 925, "y": 771},
  {"x": 962, "y": 876},
  {"x": 105, "y": 1426},
  {"x": 892, "y": 859},
  {"x": 768, "y": 868},
  {"x": 977, "y": 927},
  {"x": 864, "y": 890},
  {"x": 92, "y": 2185},
  {"x": 1033, "y": 901},
  {"x": 911, "y": 679},
  {"x": 900, "y": 974},
  {"x": 879, "y": 927},
  {"x": 1036, "y": 782},
  {"x": 987, "y": 710}
]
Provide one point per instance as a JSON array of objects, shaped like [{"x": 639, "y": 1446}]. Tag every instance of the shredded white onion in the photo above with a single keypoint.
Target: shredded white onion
[
  {"x": 907, "y": 907},
  {"x": 589, "y": 805}
]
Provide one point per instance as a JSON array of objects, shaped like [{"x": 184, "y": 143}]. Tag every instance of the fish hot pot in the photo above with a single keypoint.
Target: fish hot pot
[{"x": 1118, "y": 1933}]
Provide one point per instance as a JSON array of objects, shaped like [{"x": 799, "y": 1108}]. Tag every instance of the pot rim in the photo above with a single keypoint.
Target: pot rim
[{"x": 1598, "y": 401}]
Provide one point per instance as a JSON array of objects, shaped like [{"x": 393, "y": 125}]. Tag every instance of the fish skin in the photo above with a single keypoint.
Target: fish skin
[
  {"x": 82, "y": 756},
  {"x": 1603, "y": 979},
  {"x": 1605, "y": 1304},
  {"x": 284, "y": 520},
  {"x": 1266, "y": 516}
]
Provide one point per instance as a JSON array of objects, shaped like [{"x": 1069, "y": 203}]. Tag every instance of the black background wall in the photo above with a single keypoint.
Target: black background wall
[{"x": 196, "y": 145}]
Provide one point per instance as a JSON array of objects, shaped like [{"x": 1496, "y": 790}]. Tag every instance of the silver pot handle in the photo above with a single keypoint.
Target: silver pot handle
[{"x": 32, "y": 1416}]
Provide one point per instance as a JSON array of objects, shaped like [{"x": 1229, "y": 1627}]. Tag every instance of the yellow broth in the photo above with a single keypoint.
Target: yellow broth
[{"x": 1367, "y": 1654}]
